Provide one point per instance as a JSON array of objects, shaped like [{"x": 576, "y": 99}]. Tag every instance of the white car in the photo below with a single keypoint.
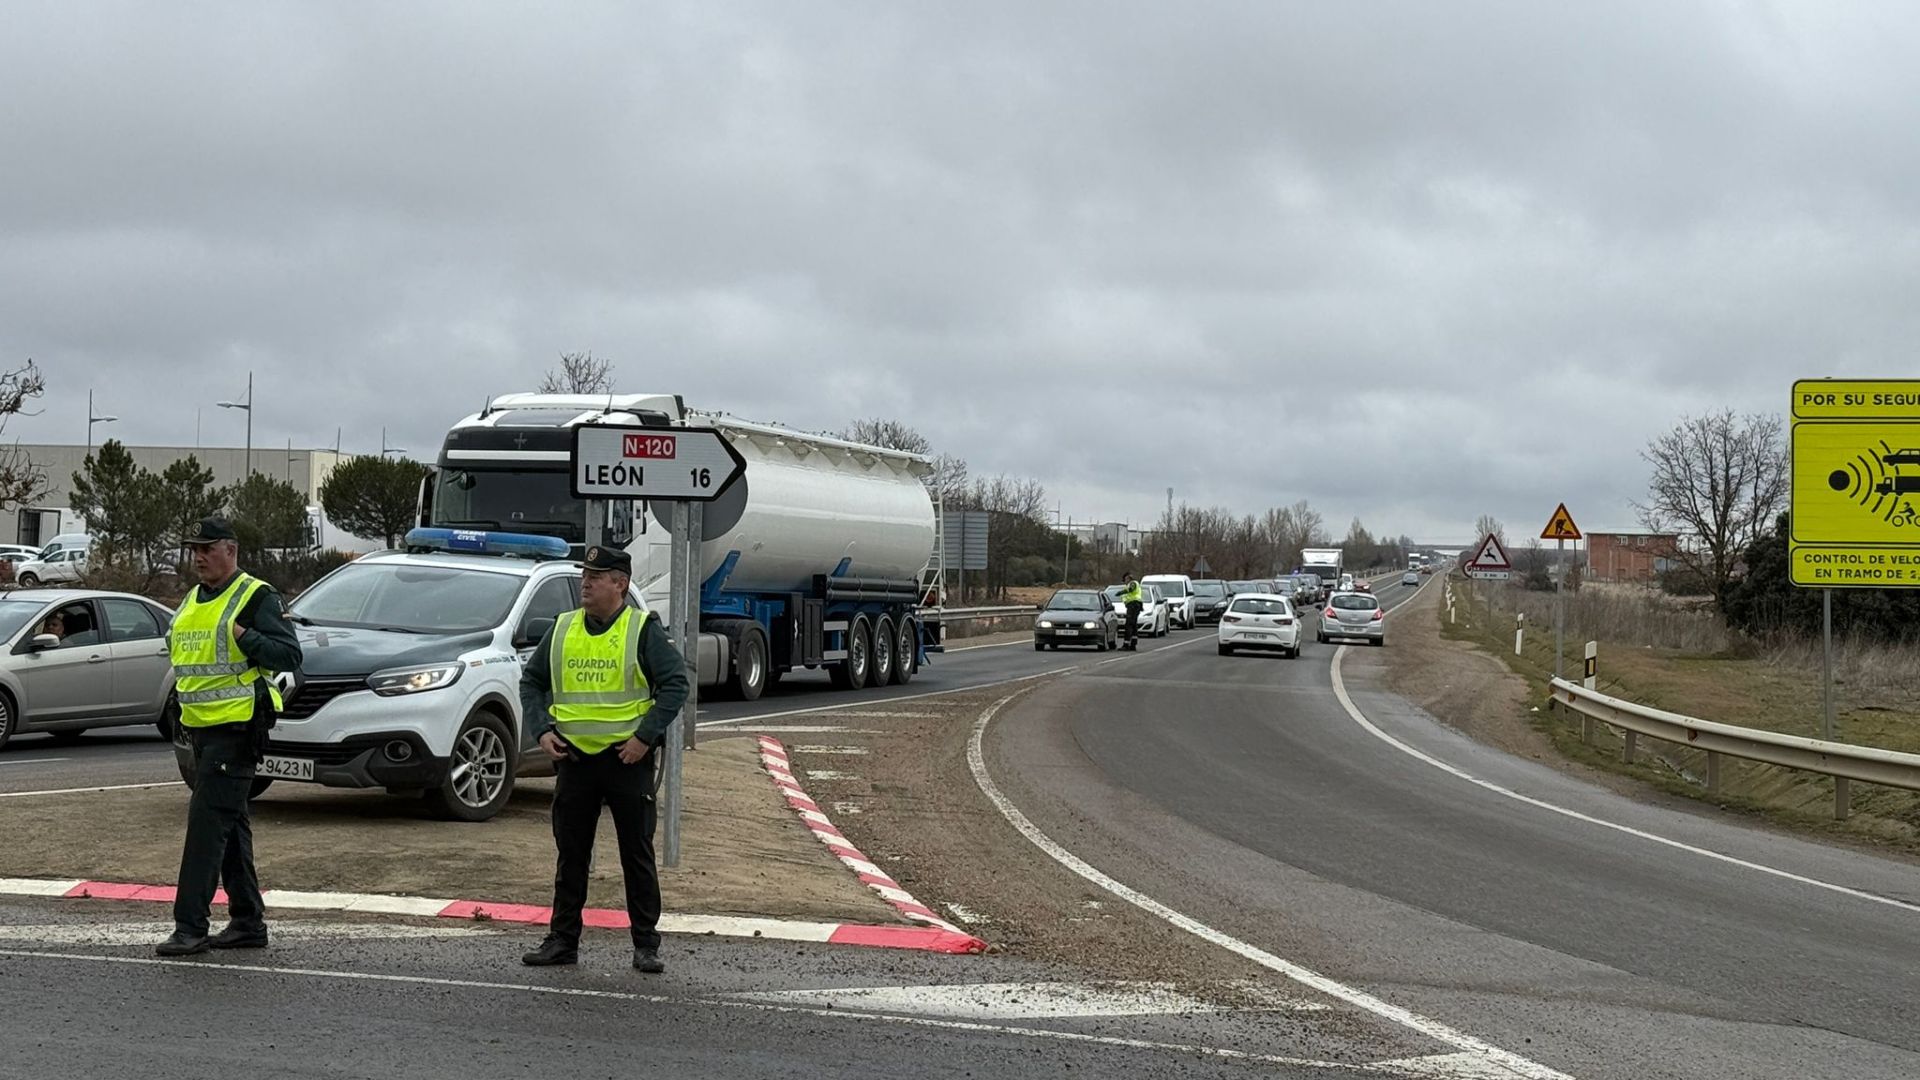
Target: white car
[
  {"x": 1154, "y": 618},
  {"x": 1260, "y": 621},
  {"x": 1178, "y": 591},
  {"x": 411, "y": 670},
  {"x": 61, "y": 566}
]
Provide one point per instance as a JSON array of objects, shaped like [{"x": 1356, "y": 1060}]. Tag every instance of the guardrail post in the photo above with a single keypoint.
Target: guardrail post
[
  {"x": 1842, "y": 798},
  {"x": 1713, "y": 772},
  {"x": 1633, "y": 744}
]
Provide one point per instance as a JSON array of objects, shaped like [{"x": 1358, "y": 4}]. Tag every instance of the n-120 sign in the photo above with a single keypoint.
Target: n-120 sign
[{"x": 688, "y": 464}]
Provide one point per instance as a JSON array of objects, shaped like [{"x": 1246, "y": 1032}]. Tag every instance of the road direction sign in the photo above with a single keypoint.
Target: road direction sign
[
  {"x": 686, "y": 464},
  {"x": 1490, "y": 560},
  {"x": 1855, "y": 486},
  {"x": 1560, "y": 526}
]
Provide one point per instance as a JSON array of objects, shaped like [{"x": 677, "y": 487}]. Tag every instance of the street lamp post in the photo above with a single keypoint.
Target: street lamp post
[
  {"x": 247, "y": 405},
  {"x": 385, "y": 449},
  {"x": 92, "y": 420}
]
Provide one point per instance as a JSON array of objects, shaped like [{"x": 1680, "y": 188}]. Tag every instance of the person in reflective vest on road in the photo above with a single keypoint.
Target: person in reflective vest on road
[
  {"x": 227, "y": 636},
  {"x": 1134, "y": 598},
  {"x": 602, "y": 688}
]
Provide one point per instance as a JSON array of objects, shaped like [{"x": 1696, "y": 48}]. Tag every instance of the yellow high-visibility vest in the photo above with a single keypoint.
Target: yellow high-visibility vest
[
  {"x": 213, "y": 680},
  {"x": 599, "y": 691}
]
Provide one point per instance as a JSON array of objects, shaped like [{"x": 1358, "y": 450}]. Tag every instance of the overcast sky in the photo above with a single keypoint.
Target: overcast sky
[{"x": 1117, "y": 247}]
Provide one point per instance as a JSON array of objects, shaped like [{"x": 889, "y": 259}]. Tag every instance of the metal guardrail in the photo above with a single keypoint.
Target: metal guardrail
[
  {"x": 1844, "y": 763},
  {"x": 962, "y": 614}
]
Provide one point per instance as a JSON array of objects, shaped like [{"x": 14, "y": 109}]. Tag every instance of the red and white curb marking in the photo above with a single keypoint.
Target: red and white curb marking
[
  {"x": 886, "y": 937},
  {"x": 773, "y": 755}
]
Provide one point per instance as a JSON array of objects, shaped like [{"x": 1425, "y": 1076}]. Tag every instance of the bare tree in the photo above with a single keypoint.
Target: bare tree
[
  {"x": 579, "y": 373},
  {"x": 22, "y": 483},
  {"x": 1718, "y": 480},
  {"x": 891, "y": 434},
  {"x": 1488, "y": 525}
]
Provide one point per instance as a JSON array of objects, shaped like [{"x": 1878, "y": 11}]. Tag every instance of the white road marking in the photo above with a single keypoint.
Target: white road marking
[
  {"x": 829, "y": 774},
  {"x": 1003, "y": 1000},
  {"x": 39, "y": 886},
  {"x": 850, "y": 709},
  {"x": 845, "y": 751},
  {"x": 85, "y": 790},
  {"x": 847, "y": 806},
  {"x": 1514, "y": 1064},
  {"x": 966, "y": 915},
  {"x": 825, "y": 729},
  {"x": 110, "y": 934},
  {"x": 33, "y": 761},
  {"x": 995, "y": 645},
  {"x": 232, "y": 969},
  {"x": 1353, "y": 711}
]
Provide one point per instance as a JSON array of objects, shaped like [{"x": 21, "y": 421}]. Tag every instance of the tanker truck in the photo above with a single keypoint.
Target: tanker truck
[{"x": 818, "y": 556}]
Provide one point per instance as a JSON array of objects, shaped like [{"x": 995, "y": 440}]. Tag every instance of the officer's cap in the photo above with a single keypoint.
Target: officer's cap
[
  {"x": 210, "y": 531},
  {"x": 607, "y": 558}
]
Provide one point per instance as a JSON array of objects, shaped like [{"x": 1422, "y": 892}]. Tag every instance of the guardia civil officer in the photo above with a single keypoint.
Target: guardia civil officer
[
  {"x": 603, "y": 685},
  {"x": 228, "y": 634},
  {"x": 1134, "y": 598}
]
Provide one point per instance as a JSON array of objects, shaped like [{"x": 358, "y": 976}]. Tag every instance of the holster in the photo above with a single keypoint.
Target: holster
[{"x": 265, "y": 716}]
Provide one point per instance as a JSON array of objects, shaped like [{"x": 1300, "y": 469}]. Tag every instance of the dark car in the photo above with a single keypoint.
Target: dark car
[
  {"x": 1076, "y": 617},
  {"x": 1210, "y": 597}
]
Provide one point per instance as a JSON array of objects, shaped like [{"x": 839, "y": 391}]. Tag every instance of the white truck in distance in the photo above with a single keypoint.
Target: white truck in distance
[
  {"x": 816, "y": 557},
  {"x": 1327, "y": 564}
]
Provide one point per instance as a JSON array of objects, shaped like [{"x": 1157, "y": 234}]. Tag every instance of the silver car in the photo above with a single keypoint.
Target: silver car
[
  {"x": 80, "y": 658},
  {"x": 1353, "y": 615}
]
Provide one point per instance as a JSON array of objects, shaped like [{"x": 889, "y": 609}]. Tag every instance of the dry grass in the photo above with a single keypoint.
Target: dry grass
[
  {"x": 1720, "y": 677},
  {"x": 1618, "y": 615}
]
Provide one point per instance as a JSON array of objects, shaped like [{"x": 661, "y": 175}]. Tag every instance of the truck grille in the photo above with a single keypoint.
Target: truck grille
[{"x": 309, "y": 698}]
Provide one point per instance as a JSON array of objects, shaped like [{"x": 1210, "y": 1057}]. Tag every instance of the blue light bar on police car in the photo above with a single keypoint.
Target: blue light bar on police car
[{"x": 481, "y": 542}]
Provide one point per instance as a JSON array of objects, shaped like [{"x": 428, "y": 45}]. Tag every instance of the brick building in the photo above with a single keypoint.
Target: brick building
[{"x": 1629, "y": 556}]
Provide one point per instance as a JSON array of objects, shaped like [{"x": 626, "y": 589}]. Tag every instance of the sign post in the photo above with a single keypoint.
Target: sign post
[
  {"x": 685, "y": 468},
  {"x": 1560, "y": 529},
  {"x": 1855, "y": 453}
]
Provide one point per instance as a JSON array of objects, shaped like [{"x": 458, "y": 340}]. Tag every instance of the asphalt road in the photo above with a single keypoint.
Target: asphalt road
[{"x": 1241, "y": 793}]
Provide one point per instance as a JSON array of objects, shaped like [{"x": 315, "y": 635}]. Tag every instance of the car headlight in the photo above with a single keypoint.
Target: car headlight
[
  {"x": 394, "y": 682},
  {"x": 1089, "y": 626},
  {"x": 1045, "y": 625}
]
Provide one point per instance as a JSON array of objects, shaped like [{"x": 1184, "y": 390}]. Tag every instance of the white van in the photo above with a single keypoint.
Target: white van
[
  {"x": 60, "y": 543},
  {"x": 1178, "y": 589}
]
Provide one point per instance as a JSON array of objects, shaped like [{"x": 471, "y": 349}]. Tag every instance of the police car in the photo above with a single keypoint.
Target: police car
[{"x": 411, "y": 675}]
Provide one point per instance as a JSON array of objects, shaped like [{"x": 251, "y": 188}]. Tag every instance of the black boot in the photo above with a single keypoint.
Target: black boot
[
  {"x": 183, "y": 944},
  {"x": 648, "y": 960},
  {"x": 238, "y": 936},
  {"x": 555, "y": 950}
]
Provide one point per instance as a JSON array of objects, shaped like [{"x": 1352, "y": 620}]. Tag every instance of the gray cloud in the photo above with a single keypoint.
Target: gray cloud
[{"x": 1507, "y": 242}]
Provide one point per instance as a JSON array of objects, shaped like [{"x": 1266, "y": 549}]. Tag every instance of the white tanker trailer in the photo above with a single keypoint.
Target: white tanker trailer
[{"x": 816, "y": 557}]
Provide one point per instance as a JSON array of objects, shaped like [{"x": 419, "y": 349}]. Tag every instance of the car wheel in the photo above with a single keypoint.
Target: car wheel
[
  {"x": 169, "y": 722},
  {"x": 1039, "y": 646},
  {"x": 260, "y": 785},
  {"x": 68, "y": 737},
  {"x": 1321, "y": 638},
  {"x": 1226, "y": 650},
  {"x": 1381, "y": 642},
  {"x": 906, "y": 651},
  {"x": 28, "y": 581},
  {"x": 883, "y": 643},
  {"x": 9, "y": 718},
  {"x": 479, "y": 773}
]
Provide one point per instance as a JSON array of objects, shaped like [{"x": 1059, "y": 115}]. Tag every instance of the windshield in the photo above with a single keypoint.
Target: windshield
[
  {"x": 1250, "y": 606},
  {"x": 1076, "y": 601},
  {"x": 417, "y": 599},
  {"x": 15, "y": 614},
  {"x": 1173, "y": 587},
  {"x": 510, "y": 500},
  {"x": 1354, "y": 602},
  {"x": 1250, "y": 586},
  {"x": 1211, "y": 590}
]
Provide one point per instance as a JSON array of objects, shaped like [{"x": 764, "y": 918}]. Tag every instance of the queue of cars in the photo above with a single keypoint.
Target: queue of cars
[{"x": 1265, "y": 615}]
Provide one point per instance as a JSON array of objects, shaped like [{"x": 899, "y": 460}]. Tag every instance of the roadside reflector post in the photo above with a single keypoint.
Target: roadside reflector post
[
  {"x": 1592, "y": 673},
  {"x": 1519, "y": 632},
  {"x": 1842, "y": 798},
  {"x": 1713, "y": 772}
]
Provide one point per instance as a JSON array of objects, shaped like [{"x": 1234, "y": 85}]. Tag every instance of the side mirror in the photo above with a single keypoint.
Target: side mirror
[
  {"x": 44, "y": 641},
  {"x": 533, "y": 632}
]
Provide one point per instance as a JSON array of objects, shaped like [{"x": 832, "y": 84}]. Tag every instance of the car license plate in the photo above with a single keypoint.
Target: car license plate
[
  {"x": 1256, "y": 634},
  {"x": 285, "y": 768},
  {"x": 1068, "y": 633}
]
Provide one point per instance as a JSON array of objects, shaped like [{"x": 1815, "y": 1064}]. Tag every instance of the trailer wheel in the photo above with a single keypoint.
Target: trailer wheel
[
  {"x": 852, "y": 673},
  {"x": 883, "y": 656},
  {"x": 906, "y": 653},
  {"x": 750, "y": 668}
]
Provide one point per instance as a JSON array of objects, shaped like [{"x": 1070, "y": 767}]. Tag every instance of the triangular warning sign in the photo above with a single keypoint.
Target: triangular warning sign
[
  {"x": 1560, "y": 526},
  {"x": 1490, "y": 556}
]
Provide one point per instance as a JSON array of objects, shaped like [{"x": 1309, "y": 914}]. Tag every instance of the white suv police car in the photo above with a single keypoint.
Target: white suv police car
[{"x": 411, "y": 673}]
